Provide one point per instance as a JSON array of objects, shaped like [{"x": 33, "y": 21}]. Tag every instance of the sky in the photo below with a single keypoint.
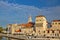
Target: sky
[{"x": 18, "y": 11}]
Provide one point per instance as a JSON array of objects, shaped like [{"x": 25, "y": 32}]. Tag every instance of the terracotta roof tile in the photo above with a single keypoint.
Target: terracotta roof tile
[
  {"x": 56, "y": 20},
  {"x": 40, "y": 16}
]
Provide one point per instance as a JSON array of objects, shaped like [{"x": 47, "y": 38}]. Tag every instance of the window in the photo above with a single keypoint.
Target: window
[
  {"x": 55, "y": 23},
  {"x": 59, "y": 23},
  {"x": 48, "y": 31},
  {"x": 44, "y": 31},
  {"x": 56, "y": 34},
  {"x": 40, "y": 20},
  {"x": 52, "y": 31}
]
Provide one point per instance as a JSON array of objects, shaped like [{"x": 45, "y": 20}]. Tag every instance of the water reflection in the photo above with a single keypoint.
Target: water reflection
[
  {"x": 5, "y": 38},
  {"x": 11, "y": 39},
  {"x": 1, "y": 37}
]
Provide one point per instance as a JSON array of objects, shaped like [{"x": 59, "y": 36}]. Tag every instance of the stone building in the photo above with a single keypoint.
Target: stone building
[
  {"x": 55, "y": 24},
  {"x": 28, "y": 27},
  {"x": 40, "y": 24},
  {"x": 22, "y": 28},
  {"x": 54, "y": 30},
  {"x": 12, "y": 28}
]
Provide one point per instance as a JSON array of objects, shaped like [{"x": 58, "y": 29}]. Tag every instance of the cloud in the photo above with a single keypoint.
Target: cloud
[
  {"x": 8, "y": 8},
  {"x": 15, "y": 13},
  {"x": 12, "y": 13},
  {"x": 52, "y": 13}
]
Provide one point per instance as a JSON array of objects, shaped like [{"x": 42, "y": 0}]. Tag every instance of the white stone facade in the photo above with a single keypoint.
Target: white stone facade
[{"x": 40, "y": 24}]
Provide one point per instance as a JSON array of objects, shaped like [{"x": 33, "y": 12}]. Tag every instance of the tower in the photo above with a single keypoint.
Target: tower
[
  {"x": 40, "y": 24},
  {"x": 29, "y": 19}
]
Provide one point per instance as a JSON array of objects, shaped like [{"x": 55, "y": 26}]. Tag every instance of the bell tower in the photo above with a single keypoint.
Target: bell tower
[
  {"x": 29, "y": 19},
  {"x": 40, "y": 24}
]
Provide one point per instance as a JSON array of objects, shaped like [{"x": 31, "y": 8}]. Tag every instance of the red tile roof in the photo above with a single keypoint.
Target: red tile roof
[
  {"x": 30, "y": 24},
  {"x": 18, "y": 30},
  {"x": 56, "y": 20},
  {"x": 40, "y": 16}
]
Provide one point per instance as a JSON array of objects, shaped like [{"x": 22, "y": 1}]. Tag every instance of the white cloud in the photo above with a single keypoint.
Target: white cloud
[
  {"x": 11, "y": 12},
  {"x": 14, "y": 12},
  {"x": 51, "y": 13}
]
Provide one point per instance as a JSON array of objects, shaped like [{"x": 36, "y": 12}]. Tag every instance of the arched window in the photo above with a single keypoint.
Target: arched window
[
  {"x": 52, "y": 31},
  {"x": 44, "y": 31},
  {"x": 48, "y": 31}
]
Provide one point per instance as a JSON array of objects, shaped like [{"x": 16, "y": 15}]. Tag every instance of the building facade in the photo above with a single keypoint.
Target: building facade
[
  {"x": 26, "y": 28},
  {"x": 12, "y": 28},
  {"x": 54, "y": 30},
  {"x": 40, "y": 27},
  {"x": 56, "y": 24},
  {"x": 40, "y": 24}
]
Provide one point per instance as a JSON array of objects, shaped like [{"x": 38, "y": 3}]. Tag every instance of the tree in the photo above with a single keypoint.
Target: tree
[{"x": 1, "y": 29}]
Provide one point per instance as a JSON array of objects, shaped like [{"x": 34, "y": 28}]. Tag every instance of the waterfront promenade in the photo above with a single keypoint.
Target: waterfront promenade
[
  {"x": 23, "y": 37},
  {"x": 13, "y": 36}
]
